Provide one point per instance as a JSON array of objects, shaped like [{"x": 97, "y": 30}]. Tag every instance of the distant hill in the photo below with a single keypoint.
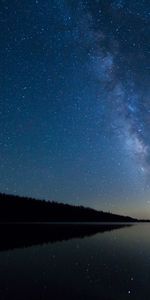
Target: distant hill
[{"x": 22, "y": 209}]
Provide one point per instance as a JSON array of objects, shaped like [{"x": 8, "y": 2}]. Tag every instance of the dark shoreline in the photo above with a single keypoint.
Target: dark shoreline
[{"x": 15, "y": 209}]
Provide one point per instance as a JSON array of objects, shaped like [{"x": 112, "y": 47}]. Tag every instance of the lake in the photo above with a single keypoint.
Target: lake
[{"x": 107, "y": 262}]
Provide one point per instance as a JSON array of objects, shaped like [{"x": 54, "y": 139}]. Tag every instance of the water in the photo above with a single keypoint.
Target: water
[{"x": 107, "y": 263}]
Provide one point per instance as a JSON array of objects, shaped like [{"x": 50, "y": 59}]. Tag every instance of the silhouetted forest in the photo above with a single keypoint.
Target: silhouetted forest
[{"x": 22, "y": 209}]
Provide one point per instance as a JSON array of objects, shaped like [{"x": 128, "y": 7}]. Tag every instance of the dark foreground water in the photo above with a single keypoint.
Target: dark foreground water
[{"x": 110, "y": 262}]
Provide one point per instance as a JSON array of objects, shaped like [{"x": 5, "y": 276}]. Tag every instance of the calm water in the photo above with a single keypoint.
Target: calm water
[{"x": 104, "y": 265}]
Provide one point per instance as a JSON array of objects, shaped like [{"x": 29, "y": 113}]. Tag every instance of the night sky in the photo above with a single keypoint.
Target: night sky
[{"x": 74, "y": 105}]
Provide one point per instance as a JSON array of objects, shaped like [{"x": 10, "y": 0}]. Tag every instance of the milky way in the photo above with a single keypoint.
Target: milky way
[
  {"x": 129, "y": 103},
  {"x": 75, "y": 108}
]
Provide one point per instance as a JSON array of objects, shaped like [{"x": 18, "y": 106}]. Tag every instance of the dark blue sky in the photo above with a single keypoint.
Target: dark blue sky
[{"x": 74, "y": 106}]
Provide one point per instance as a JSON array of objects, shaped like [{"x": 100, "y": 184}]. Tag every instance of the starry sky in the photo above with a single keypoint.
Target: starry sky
[{"x": 74, "y": 105}]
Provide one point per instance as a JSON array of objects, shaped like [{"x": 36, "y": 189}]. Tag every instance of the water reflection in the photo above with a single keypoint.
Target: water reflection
[
  {"x": 25, "y": 235},
  {"x": 114, "y": 265}
]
